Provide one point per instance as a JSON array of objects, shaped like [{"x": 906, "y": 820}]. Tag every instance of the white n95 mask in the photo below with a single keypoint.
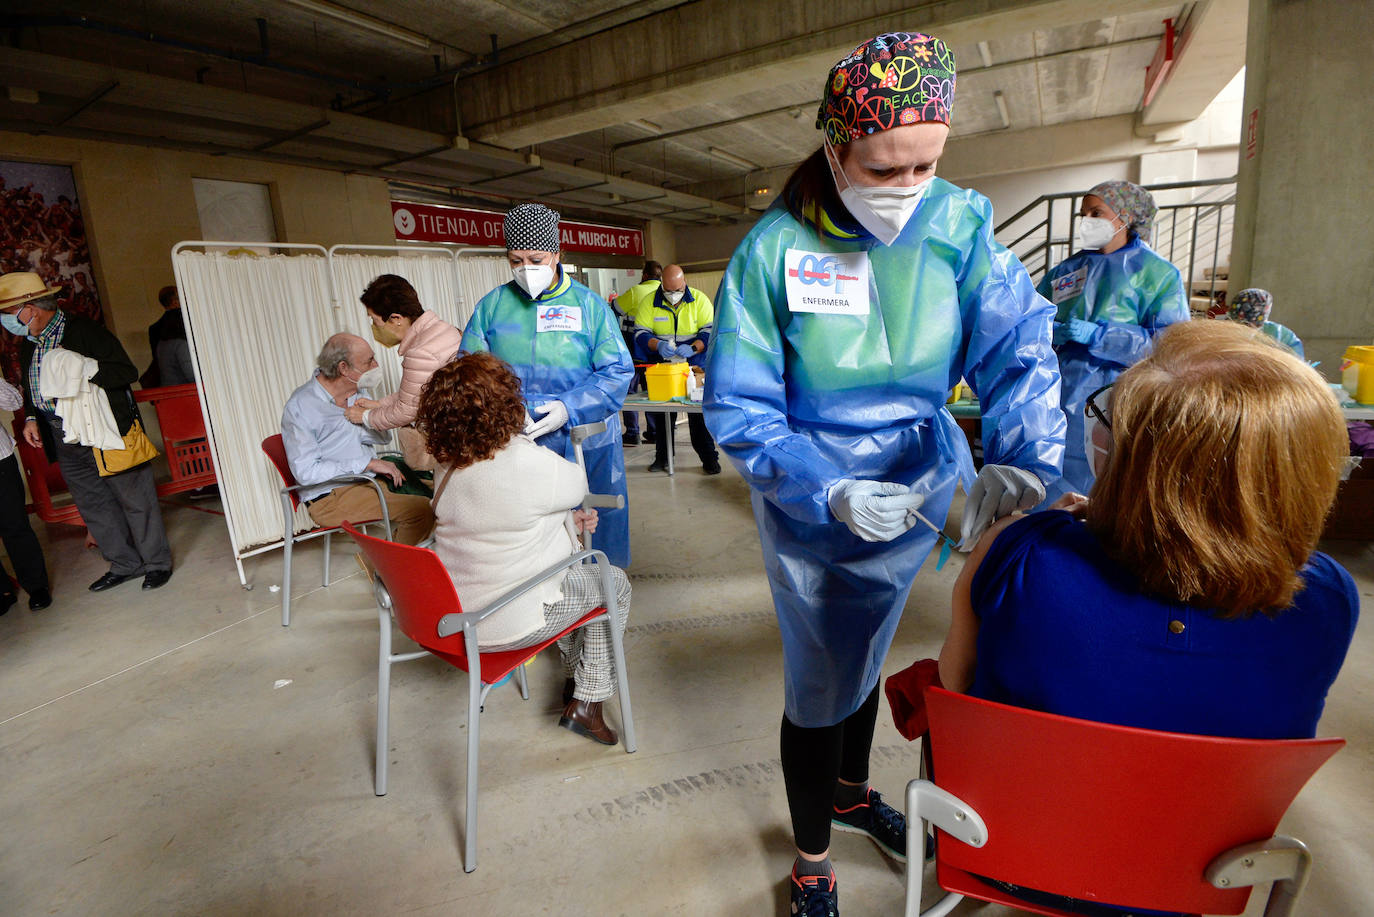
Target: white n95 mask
[
  {"x": 533, "y": 278},
  {"x": 1095, "y": 233},
  {"x": 881, "y": 209},
  {"x": 370, "y": 379},
  {"x": 673, "y": 296}
]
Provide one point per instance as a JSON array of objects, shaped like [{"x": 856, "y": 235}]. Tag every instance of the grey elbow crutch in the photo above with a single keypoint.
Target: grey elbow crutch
[{"x": 592, "y": 501}]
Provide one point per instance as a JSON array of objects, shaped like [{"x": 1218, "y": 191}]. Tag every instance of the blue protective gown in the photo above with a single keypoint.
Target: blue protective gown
[
  {"x": 589, "y": 370},
  {"x": 1130, "y": 294},
  {"x": 802, "y": 400},
  {"x": 1285, "y": 336}
]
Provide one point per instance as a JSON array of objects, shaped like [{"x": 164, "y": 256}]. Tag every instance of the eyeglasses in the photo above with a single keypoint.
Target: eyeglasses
[{"x": 1097, "y": 428}]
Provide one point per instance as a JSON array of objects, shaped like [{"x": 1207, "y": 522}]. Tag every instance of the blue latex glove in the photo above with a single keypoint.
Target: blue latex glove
[
  {"x": 686, "y": 351},
  {"x": 666, "y": 350},
  {"x": 1061, "y": 333},
  {"x": 875, "y": 510},
  {"x": 1081, "y": 331}
]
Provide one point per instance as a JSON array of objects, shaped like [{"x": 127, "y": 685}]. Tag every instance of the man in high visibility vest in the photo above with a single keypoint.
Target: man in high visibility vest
[
  {"x": 675, "y": 325},
  {"x": 626, "y": 306}
]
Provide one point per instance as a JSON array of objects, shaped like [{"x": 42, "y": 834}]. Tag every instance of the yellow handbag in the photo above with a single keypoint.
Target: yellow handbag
[{"x": 138, "y": 448}]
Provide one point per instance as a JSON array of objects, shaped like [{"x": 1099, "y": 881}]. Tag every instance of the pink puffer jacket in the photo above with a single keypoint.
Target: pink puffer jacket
[{"x": 430, "y": 343}]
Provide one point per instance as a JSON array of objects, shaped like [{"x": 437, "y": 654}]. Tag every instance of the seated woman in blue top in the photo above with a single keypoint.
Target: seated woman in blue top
[{"x": 1186, "y": 595}]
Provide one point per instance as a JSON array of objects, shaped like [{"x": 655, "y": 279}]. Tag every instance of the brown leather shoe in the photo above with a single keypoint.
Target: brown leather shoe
[{"x": 584, "y": 718}]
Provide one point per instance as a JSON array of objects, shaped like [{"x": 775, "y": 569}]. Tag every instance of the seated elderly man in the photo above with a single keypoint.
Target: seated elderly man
[{"x": 322, "y": 444}]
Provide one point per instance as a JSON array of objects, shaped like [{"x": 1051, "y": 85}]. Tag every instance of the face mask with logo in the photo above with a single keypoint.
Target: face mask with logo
[
  {"x": 881, "y": 209},
  {"x": 1095, "y": 233},
  {"x": 384, "y": 335},
  {"x": 673, "y": 296},
  {"x": 13, "y": 325},
  {"x": 533, "y": 278}
]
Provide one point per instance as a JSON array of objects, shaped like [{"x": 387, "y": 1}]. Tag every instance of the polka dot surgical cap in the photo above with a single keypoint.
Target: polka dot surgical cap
[{"x": 532, "y": 227}]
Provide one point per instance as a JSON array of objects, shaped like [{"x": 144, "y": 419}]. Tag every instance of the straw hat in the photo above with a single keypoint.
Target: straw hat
[{"x": 21, "y": 287}]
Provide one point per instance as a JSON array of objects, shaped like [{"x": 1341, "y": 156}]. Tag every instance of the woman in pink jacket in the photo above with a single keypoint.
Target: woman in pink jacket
[{"x": 424, "y": 341}]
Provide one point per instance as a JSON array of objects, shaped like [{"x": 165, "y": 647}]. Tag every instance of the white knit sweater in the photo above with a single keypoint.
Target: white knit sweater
[{"x": 499, "y": 522}]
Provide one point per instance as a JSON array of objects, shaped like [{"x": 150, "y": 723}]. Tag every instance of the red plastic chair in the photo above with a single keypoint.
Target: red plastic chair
[
  {"x": 413, "y": 586},
  {"x": 45, "y": 479},
  {"x": 276, "y": 453},
  {"x": 1104, "y": 813}
]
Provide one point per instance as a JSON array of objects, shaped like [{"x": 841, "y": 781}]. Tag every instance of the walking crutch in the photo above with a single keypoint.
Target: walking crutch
[{"x": 592, "y": 501}]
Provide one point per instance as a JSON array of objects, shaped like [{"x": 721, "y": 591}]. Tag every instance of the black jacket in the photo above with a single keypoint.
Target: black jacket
[
  {"x": 117, "y": 372},
  {"x": 170, "y": 325}
]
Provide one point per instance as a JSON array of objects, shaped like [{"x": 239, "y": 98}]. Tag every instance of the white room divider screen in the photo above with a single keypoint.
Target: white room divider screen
[{"x": 256, "y": 323}]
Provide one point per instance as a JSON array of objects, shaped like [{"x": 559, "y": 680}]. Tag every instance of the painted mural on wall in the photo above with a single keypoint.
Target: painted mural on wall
[{"x": 41, "y": 230}]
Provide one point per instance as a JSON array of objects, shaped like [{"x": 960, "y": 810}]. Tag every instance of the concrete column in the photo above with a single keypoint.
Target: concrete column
[
  {"x": 1306, "y": 177},
  {"x": 660, "y": 243}
]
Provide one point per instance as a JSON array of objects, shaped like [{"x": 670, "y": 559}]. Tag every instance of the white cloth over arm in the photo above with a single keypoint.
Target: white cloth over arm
[{"x": 83, "y": 407}]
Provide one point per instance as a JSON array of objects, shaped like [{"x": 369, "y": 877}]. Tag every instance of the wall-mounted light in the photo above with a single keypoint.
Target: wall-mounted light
[
  {"x": 760, "y": 192},
  {"x": 649, "y": 126},
  {"x": 363, "y": 21},
  {"x": 726, "y": 156},
  {"x": 985, "y": 53},
  {"x": 1001, "y": 101}
]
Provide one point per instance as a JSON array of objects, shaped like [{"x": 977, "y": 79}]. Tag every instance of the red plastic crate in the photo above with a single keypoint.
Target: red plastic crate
[{"x": 183, "y": 436}]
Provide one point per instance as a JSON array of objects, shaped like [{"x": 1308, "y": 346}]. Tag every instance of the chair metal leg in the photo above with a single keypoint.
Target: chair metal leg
[
  {"x": 926, "y": 802},
  {"x": 1282, "y": 860},
  {"x": 288, "y": 542},
  {"x": 328, "y": 539},
  {"x": 522, "y": 682},
  {"x": 474, "y": 713},
  {"x": 383, "y": 696},
  {"x": 622, "y": 678}
]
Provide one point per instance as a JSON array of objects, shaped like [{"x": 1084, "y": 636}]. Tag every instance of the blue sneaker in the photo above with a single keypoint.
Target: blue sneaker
[
  {"x": 814, "y": 896},
  {"x": 884, "y": 825}
]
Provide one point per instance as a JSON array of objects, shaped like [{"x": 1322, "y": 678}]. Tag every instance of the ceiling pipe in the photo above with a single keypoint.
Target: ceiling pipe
[
  {"x": 258, "y": 59},
  {"x": 366, "y": 23}
]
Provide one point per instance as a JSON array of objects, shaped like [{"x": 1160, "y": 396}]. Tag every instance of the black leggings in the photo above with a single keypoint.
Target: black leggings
[{"x": 813, "y": 760}]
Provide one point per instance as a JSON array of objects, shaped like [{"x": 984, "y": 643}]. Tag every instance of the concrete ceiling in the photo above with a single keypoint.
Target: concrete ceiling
[{"x": 601, "y": 107}]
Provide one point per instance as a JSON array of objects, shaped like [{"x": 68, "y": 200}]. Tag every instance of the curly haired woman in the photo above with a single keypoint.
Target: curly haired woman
[{"x": 505, "y": 509}]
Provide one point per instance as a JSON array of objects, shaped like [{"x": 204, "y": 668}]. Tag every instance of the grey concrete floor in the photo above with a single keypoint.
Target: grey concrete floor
[{"x": 179, "y": 752}]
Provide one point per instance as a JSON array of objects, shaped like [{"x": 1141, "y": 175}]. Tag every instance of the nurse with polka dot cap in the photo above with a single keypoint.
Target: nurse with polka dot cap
[{"x": 564, "y": 343}]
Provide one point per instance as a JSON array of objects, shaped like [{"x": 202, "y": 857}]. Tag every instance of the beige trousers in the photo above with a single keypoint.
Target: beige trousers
[{"x": 411, "y": 516}]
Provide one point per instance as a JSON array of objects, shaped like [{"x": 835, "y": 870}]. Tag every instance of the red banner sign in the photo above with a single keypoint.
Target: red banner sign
[{"x": 436, "y": 223}]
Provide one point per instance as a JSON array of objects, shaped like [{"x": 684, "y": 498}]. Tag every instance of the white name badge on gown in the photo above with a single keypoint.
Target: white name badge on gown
[
  {"x": 827, "y": 282},
  {"x": 1070, "y": 285},
  {"x": 558, "y": 317}
]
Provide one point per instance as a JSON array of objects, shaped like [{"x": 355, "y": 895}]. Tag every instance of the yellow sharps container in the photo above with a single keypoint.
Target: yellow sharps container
[{"x": 667, "y": 381}]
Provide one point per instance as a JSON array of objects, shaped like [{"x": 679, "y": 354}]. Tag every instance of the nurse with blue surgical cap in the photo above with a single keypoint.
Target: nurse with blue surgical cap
[
  {"x": 844, "y": 318},
  {"x": 1111, "y": 298}
]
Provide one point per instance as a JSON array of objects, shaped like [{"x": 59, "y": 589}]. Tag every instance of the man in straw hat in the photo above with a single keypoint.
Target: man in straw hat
[{"x": 120, "y": 510}]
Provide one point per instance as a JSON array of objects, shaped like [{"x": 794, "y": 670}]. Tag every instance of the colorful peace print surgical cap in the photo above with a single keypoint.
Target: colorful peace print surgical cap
[
  {"x": 532, "y": 227},
  {"x": 894, "y": 79},
  {"x": 1251, "y": 306},
  {"x": 1132, "y": 203}
]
